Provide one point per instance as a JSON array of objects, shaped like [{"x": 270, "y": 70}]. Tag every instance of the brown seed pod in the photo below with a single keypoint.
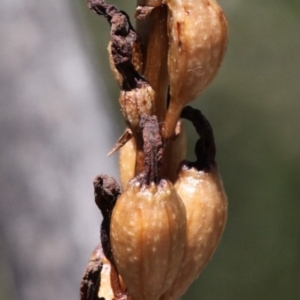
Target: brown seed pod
[
  {"x": 147, "y": 237},
  {"x": 205, "y": 200},
  {"x": 197, "y": 31},
  {"x": 201, "y": 189},
  {"x": 148, "y": 226}
]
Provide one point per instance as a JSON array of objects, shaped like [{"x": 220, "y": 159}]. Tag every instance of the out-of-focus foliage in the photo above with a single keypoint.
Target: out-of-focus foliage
[{"x": 254, "y": 108}]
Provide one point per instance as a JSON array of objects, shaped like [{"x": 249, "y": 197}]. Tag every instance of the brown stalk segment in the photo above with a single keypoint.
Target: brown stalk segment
[
  {"x": 205, "y": 148},
  {"x": 153, "y": 148},
  {"x": 174, "y": 153},
  {"x": 152, "y": 28},
  {"x": 170, "y": 121}
]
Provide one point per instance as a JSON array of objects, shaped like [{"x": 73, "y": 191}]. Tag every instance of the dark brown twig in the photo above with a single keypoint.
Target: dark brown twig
[{"x": 205, "y": 148}]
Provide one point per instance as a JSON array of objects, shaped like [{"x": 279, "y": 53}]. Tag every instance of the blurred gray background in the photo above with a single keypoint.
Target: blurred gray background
[{"x": 59, "y": 116}]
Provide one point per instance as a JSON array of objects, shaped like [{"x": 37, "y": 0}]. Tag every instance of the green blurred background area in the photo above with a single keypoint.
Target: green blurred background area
[{"x": 253, "y": 106}]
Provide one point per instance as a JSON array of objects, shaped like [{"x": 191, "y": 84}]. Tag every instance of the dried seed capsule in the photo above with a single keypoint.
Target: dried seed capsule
[
  {"x": 201, "y": 189},
  {"x": 197, "y": 31},
  {"x": 205, "y": 200},
  {"x": 148, "y": 226},
  {"x": 147, "y": 237}
]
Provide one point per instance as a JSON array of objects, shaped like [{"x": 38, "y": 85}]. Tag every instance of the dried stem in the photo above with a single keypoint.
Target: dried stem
[
  {"x": 153, "y": 148},
  {"x": 171, "y": 119},
  {"x": 152, "y": 28},
  {"x": 205, "y": 148}
]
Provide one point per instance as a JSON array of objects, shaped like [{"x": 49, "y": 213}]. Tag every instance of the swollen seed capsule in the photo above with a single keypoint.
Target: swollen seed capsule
[
  {"x": 147, "y": 236},
  {"x": 197, "y": 38},
  {"x": 201, "y": 189},
  {"x": 204, "y": 197},
  {"x": 197, "y": 31}
]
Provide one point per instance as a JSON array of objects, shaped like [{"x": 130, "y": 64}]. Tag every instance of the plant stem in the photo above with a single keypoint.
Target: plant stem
[{"x": 152, "y": 30}]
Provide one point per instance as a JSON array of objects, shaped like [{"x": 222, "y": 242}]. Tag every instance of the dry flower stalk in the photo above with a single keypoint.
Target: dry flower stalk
[
  {"x": 160, "y": 230},
  {"x": 151, "y": 24}
]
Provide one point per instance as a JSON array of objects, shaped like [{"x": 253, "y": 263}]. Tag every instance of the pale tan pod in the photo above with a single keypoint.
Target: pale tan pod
[
  {"x": 197, "y": 31},
  {"x": 127, "y": 159},
  {"x": 147, "y": 236},
  {"x": 198, "y": 38},
  {"x": 205, "y": 200}
]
